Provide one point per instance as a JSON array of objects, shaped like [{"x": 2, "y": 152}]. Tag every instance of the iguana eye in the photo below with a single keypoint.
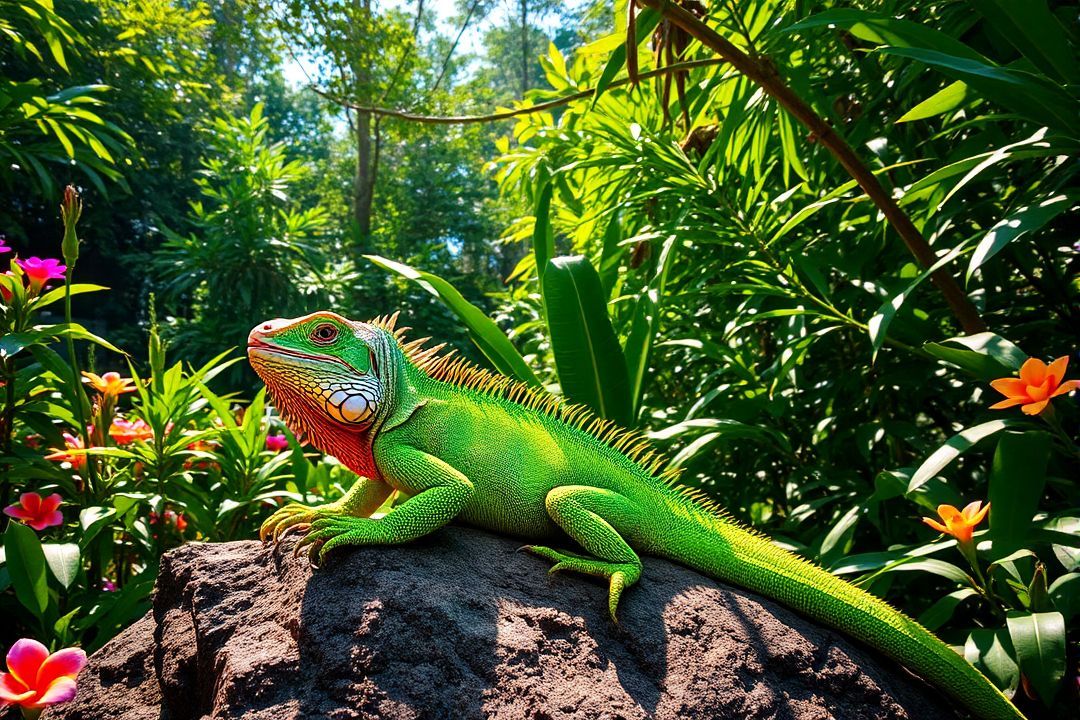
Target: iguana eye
[{"x": 324, "y": 334}]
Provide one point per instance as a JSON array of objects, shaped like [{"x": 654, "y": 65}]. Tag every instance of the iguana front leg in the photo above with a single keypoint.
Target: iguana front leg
[
  {"x": 439, "y": 493},
  {"x": 362, "y": 499},
  {"x": 596, "y": 519}
]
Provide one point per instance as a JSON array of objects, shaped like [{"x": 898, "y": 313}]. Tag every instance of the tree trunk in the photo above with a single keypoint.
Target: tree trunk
[
  {"x": 524, "y": 46},
  {"x": 363, "y": 182}
]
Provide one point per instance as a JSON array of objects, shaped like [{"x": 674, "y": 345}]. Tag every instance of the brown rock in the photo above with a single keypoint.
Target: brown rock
[{"x": 458, "y": 625}]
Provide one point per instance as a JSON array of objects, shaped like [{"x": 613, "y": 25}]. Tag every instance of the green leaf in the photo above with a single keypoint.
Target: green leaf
[
  {"x": 482, "y": 330},
  {"x": 543, "y": 237},
  {"x": 647, "y": 20},
  {"x": 26, "y": 564},
  {"x": 1016, "y": 485},
  {"x": 1033, "y": 30},
  {"x": 1065, "y": 595},
  {"x": 984, "y": 355},
  {"x": 1027, "y": 219},
  {"x": 953, "y": 448},
  {"x": 948, "y": 98},
  {"x": 879, "y": 323},
  {"x": 838, "y": 537},
  {"x": 63, "y": 561},
  {"x": 991, "y": 651},
  {"x": 588, "y": 358},
  {"x": 942, "y": 611},
  {"x": 1039, "y": 640},
  {"x": 92, "y": 520}
]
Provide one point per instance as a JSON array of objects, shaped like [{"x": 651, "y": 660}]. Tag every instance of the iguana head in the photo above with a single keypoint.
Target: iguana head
[{"x": 322, "y": 371}]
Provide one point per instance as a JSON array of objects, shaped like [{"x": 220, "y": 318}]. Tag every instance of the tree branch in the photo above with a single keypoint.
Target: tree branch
[
  {"x": 769, "y": 80},
  {"x": 505, "y": 114}
]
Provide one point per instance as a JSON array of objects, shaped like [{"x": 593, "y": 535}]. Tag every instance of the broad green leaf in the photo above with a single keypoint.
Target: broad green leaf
[
  {"x": 1017, "y": 479},
  {"x": 942, "y": 611},
  {"x": 953, "y": 448},
  {"x": 930, "y": 565},
  {"x": 92, "y": 520},
  {"x": 58, "y": 294},
  {"x": 1067, "y": 553},
  {"x": 26, "y": 564},
  {"x": 885, "y": 30},
  {"x": 984, "y": 355},
  {"x": 838, "y": 537},
  {"x": 1065, "y": 595},
  {"x": 588, "y": 359},
  {"x": 482, "y": 330},
  {"x": 948, "y": 98},
  {"x": 543, "y": 237},
  {"x": 1039, "y": 640},
  {"x": 1027, "y": 219},
  {"x": 63, "y": 561},
  {"x": 991, "y": 651}
]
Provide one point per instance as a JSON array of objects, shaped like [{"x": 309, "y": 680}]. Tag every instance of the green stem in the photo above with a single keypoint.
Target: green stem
[{"x": 77, "y": 397}]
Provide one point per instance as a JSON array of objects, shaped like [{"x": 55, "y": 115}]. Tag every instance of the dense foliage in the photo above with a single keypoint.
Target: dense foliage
[{"x": 664, "y": 240}]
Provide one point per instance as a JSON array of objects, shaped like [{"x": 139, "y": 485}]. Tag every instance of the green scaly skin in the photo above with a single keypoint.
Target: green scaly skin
[{"x": 468, "y": 445}]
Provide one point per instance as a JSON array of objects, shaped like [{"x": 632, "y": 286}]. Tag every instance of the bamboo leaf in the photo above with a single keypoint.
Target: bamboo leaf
[
  {"x": 1027, "y": 219},
  {"x": 956, "y": 445}
]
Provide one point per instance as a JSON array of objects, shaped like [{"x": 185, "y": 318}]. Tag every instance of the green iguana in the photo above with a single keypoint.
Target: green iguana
[{"x": 466, "y": 443}]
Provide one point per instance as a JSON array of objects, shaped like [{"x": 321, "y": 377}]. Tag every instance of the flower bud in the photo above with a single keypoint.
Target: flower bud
[{"x": 70, "y": 211}]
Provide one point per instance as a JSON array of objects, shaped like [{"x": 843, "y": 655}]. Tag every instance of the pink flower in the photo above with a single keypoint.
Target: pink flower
[
  {"x": 36, "y": 511},
  {"x": 36, "y": 679},
  {"x": 3, "y": 244},
  {"x": 277, "y": 443},
  {"x": 41, "y": 271},
  {"x": 108, "y": 585}
]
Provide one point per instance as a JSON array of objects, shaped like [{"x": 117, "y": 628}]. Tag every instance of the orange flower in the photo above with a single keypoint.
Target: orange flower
[
  {"x": 1038, "y": 382},
  {"x": 959, "y": 523},
  {"x": 124, "y": 432},
  {"x": 110, "y": 383}
]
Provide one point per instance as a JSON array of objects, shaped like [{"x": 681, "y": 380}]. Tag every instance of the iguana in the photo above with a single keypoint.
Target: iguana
[{"x": 465, "y": 443}]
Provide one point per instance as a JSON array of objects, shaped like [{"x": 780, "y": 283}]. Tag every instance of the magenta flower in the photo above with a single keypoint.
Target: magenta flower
[
  {"x": 108, "y": 585},
  {"x": 277, "y": 443},
  {"x": 41, "y": 271},
  {"x": 36, "y": 511},
  {"x": 3, "y": 244},
  {"x": 36, "y": 679}
]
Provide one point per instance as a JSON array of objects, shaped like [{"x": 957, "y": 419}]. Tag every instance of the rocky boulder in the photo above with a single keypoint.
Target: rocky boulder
[{"x": 459, "y": 625}]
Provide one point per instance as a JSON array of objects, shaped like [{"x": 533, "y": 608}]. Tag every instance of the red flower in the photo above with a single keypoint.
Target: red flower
[
  {"x": 71, "y": 443},
  {"x": 277, "y": 443},
  {"x": 37, "y": 512},
  {"x": 36, "y": 679},
  {"x": 1037, "y": 384},
  {"x": 41, "y": 271}
]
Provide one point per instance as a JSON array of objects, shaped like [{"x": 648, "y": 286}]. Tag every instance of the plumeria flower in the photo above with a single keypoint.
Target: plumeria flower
[
  {"x": 36, "y": 679},
  {"x": 71, "y": 442},
  {"x": 40, "y": 271},
  {"x": 1037, "y": 384},
  {"x": 110, "y": 383},
  {"x": 277, "y": 443},
  {"x": 959, "y": 523},
  {"x": 125, "y": 432},
  {"x": 36, "y": 511}
]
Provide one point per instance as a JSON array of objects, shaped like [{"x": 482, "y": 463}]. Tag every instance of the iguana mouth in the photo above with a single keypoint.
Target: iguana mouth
[{"x": 259, "y": 345}]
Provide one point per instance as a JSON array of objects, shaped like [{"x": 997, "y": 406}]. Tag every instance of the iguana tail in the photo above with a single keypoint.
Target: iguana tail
[{"x": 722, "y": 550}]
